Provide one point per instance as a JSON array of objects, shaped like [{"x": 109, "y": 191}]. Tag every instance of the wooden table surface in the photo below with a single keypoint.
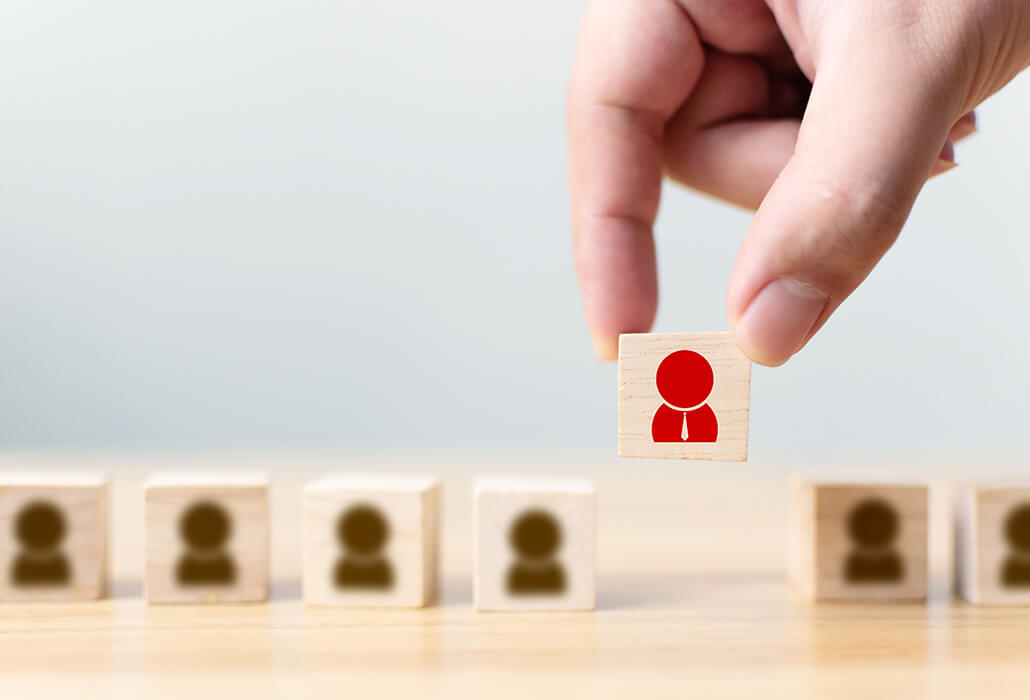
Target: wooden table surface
[{"x": 692, "y": 599}]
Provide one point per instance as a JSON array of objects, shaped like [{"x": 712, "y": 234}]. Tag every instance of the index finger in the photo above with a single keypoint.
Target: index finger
[{"x": 637, "y": 62}]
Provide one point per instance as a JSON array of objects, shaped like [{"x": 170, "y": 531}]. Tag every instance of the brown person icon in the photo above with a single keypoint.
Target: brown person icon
[
  {"x": 535, "y": 537},
  {"x": 205, "y": 529},
  {"x": 363, "y": 533},
  {"x": 39, "y": 528},
  {"x": 1015, "y": 572},
  {"x": 873, "y": 527}
]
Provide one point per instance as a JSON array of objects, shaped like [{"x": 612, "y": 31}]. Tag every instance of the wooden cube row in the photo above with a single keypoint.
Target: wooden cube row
[
  {"x": 367, "y": 540},
  {"x": 373, "y": 540}
]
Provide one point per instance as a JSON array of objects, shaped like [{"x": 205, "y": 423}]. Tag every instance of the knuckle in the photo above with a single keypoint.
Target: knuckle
[{"x": 856, "y": 225}]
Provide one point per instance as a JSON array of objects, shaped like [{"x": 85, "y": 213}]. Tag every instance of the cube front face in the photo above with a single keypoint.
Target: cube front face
[
  {"x": 206, "y": 543},
  {"x": 998, "y": 559},
  {"x": 683, "y": 396},
  {"x": 870, "y": 542},
  {"x": 370, "y": 547},
  {"x": 534, "y": 549},
  {"x": 53, "y": 544}
]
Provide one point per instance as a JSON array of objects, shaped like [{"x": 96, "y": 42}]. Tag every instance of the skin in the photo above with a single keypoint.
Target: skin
[{"x": 826, "y": 116}]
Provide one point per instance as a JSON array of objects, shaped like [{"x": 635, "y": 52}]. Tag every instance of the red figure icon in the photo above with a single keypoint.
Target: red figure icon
[{"x": 684, "y": 380}]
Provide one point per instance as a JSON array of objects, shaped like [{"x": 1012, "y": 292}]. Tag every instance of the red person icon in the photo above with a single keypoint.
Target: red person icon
[{"x": 684, "y": 380}]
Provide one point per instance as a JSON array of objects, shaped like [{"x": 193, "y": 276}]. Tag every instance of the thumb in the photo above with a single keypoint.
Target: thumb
[{"x": 871, "y": 136}]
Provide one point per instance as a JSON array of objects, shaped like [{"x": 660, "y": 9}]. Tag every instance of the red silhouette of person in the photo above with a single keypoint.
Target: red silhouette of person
[{"x": 684, "y": 380}]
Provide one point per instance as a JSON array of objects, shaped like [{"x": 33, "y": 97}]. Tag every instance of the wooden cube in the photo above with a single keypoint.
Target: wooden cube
[
  {"x": 683, "y": 396},
  {"x": 992, "y": 562},
  {"x": 206, "y": 538},
  {"x": 371, "y": 540},
  {"x": 535, "y": 544},
  {"x": 53, "y": 544},
  {"x": 860, "y": 541}
]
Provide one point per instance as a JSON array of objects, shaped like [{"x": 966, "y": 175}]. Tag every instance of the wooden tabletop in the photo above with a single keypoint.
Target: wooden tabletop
[{"x": 692, "y": 598}]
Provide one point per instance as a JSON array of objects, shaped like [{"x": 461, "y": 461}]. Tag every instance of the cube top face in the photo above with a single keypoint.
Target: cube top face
[
  {"x": 870, "y": 542},
  {"x": 53, "y": 537},
  {"x": 374, "y": 482},
  {"x": 535, "y": 485},
  {"x": 535, "y": 545},
  {"x": 207, "y": 540},
  {"x": 205, "y": 479},
  {"x": 683, "y": 396},
  {"x": 999, "y": 546},
  {"x": 52, "y": 479},
  {"x": 371, "y": 541}
]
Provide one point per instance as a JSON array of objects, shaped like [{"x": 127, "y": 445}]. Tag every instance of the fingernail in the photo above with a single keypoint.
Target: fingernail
[
  {"x": 606, "y": 347},
  {"x": 779, "y": 318},
  {"x": 964, "y": 127},
  {"x": 942, "y": 166}
]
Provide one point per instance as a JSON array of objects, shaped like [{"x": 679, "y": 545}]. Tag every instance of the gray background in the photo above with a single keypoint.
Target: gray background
[{"x": 333, "y": 225}]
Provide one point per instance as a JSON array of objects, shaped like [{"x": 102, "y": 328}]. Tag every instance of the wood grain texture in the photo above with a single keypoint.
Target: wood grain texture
[
  {"x": 984, "y": 551},
  {"x": 639, "y": 357},
  {"x": 830, "y": 562},
  {"x": 567, "y": 504},
  {"x": 691, "y": 602},
  {"x": 243, "y": 500},
  {"x": 407, "y": 559},
  {"x": 79, "y": 503}
]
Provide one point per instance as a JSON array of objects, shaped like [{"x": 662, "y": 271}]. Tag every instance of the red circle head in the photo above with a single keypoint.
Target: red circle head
[{"x": 684, "y": 379}]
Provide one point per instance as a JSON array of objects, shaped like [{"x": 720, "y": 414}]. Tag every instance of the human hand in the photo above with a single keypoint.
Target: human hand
[{"x": 716, "y": 96}]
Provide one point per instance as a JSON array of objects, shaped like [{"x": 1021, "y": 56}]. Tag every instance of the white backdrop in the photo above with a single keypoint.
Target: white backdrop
[{"x": 314, "y": 224}]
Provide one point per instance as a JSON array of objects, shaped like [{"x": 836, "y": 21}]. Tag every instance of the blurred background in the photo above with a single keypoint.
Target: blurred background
[{"x": 344, "y": 225}]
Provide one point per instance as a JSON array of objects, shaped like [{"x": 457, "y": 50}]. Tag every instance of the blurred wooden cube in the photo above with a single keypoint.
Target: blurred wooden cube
[
  {"x": 683, "y": 396},
  {"x": 534, "y": 544},
  {"x": 206, "y": 538},
  {"x": 371, "y": 540},
  {"x": 860, "y": 541},
  {"x": 992, "y": 562},
  {"x": 53, "y": 545}
]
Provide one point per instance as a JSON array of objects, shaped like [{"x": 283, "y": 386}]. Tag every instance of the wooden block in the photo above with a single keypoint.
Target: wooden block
[
  {"x": 860, "y": 541},
  {"x": 53, "y": 545},
  {"x": 992, "y": 556},
  {"x": 206, "y": 538},
  {"x": 534, "y": 544},
  {"x": 371, "y": 540},
  {"x": 683, "y": 396}
]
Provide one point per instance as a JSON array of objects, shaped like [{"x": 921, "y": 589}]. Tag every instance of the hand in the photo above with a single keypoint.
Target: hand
[{"x": 828, "y": 116}]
